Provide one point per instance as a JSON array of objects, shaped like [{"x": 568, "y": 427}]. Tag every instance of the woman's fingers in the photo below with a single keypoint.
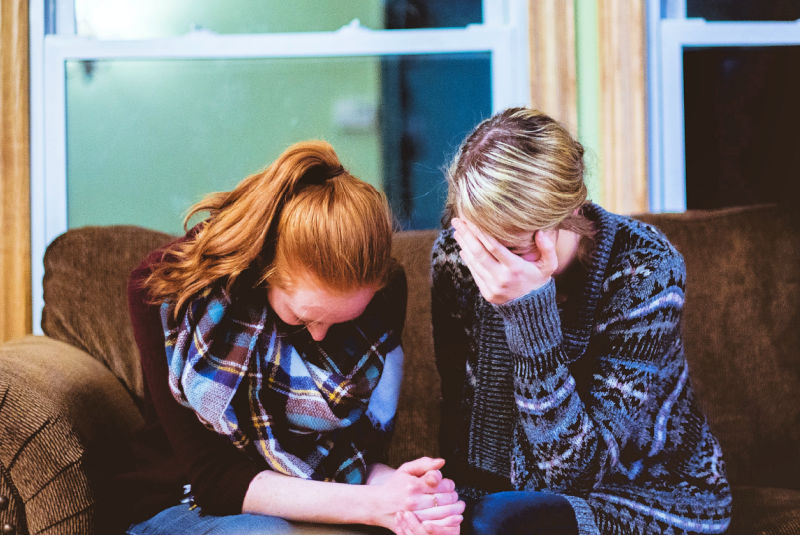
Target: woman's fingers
[
  {"x": 450, "y": 521},
  {"x": 432, "y": 478},
  {"x": 498, "y": 251},
  {"x": 474, "y": 239},
  {"x": 408, "y": 524},
  {"x": 482, "y": 274},
  {"x": 447, "y": 526},
  {"x": 470, "y": 243},
  {"x": 437, "y": 499},
  {"x": 433, "y": 500},
  {"x": 419, "y": 467},
  {"x": 441, "y": 511},
  {"x": 454, "y": 520},
  {"x": 445, "y": 485},
  {"x": 546, "y": 243}
]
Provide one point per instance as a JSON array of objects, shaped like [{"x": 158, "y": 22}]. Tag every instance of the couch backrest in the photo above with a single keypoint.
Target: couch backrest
[
  {"x": 741, "y": 327},
  {"x": 85, "y": 294},
  {"x": 417, "y": 423}
]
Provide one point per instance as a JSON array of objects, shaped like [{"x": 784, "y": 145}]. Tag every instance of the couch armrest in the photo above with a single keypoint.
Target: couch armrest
[{"x": 58, "y": 408}]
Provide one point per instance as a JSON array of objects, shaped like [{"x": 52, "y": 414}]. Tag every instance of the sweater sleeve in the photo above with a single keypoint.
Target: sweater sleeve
[
  {"x": 218, "y": 472},
  {"x": 568, "y": 441}
]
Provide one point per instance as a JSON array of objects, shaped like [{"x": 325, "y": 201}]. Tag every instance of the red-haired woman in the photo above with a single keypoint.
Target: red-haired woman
[{"x": 270, "y": 344}]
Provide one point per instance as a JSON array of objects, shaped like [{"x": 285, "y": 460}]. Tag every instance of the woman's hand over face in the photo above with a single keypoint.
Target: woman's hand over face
[
  {"x": 500, "y": 275},
  {"x": 417, "y": 500}
]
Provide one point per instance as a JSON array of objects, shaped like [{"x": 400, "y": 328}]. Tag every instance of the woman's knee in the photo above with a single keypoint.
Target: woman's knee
[
  {"x": 247, "y": 524},
  {"x": 521, "y": 512}
]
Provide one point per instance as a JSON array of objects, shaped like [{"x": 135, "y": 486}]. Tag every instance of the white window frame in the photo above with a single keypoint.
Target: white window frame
[
  {"x": 503, "y": 34},
  {"x": 669, "y": 34}
]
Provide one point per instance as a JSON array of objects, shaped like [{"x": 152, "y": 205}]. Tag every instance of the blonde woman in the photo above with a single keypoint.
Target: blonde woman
[
  {"x": 567, "y": 405},
  {"x": 270, "y": 344}
]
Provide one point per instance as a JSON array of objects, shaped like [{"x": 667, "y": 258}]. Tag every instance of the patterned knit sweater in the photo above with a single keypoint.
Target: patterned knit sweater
[{"x": 590, "y": 400}]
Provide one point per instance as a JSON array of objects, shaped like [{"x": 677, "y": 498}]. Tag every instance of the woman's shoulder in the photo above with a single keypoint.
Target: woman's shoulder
[
  {"x": 396, "y": 289},
  {"x": 445, "y": 253},
  {"x": 638, "y": 243},
  {"x": 444, "y": 244},
  {"x": 388, "y": 306},
  {"x": 642, "y": 261},
  {"x": 158, "y": 255},
  {"x": 446, "y": 260}
]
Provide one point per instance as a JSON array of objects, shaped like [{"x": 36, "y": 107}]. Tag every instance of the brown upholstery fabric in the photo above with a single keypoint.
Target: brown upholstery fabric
[
  {"x": 12, "y": 512},
  {"x": 86, "y": 274},
  {"x": 742, "y": 332},
  {"x": 61, "y": 412},
  {"x": 417, "y": 422},
  {"x": 765, "y": 511}
]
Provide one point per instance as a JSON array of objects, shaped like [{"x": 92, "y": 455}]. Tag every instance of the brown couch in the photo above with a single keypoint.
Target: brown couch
[{"x": 65, "y": 398}]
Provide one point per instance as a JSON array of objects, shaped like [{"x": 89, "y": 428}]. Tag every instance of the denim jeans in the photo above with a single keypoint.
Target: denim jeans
[
  {"x": 184, "y": 520},
  {"x": 520, "y": 513}
]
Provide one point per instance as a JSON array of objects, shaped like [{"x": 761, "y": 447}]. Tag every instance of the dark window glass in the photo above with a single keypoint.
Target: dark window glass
[
  {"x": 430, "y": 103},
  {"x": 432, "y": 13},
  {"x": 744, "y": 9},
  {"x": 742, "y": 125}
]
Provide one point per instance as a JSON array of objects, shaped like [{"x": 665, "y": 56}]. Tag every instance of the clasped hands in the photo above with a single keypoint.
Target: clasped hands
[
  {"x": 501, "y": 275},
  {"x": 418, "y": 500}
]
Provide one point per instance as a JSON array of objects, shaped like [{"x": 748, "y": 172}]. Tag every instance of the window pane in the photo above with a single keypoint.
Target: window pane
[
  {"x": 144, "y": 19},
  {"x": 148, "y": 138},
  {"x": 743, "y": 9},
  {"x": 432, "y": 13},
  {"x": 742, "y": 114}
]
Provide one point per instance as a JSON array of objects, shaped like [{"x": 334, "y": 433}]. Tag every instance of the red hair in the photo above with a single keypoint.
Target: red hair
[{"x": 303, "y": 211}]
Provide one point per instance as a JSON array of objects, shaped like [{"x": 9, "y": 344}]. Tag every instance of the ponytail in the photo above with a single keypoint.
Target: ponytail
[{"x": 241, "y": 233}]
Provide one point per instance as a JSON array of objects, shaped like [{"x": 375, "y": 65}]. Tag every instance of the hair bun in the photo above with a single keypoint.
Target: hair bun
[{"x": 321, "y": 173}]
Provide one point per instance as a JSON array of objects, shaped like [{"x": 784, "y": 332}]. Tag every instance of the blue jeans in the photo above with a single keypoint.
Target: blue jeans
[
  {"x": 181, "y": 519},
  {"x": 520, "y": 513}
]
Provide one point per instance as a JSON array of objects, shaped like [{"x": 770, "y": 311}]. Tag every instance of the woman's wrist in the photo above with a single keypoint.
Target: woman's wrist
[
  {"x": 377, "y": 473},
  {"x": 306, "y": 500},
  {"x": 365, "y": 505}
]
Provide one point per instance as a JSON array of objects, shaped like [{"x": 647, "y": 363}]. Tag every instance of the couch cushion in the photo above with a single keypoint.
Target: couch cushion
[
  {"x": 741, "y": 331},
  {"x": 765, "y": 511},
  {"x": 85, "y": 298}
]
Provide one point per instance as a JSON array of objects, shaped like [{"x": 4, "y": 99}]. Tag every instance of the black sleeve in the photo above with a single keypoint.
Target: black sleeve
[{"x": 219, "y": 473}]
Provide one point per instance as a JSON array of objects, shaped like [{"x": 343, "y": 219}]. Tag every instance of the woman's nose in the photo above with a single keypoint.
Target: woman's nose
[{"x": 318, "y": 331}]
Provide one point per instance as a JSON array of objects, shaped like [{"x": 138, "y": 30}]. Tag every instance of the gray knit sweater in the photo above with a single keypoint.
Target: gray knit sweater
[{"x": 590, "y": 400}]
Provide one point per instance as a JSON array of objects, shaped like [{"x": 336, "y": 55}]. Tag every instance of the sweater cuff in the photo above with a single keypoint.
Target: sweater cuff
[
  {"x": 532, "y": 323},
  {"x": 583, "y": 515}
]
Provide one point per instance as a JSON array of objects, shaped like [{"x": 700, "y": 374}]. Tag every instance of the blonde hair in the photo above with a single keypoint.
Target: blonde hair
[
  {"x": 518, "y": 171},
  {"x": 304, "y": 211}
]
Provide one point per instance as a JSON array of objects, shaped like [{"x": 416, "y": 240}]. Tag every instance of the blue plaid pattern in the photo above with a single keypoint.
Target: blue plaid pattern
[{"x": 300, "y": 405}]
